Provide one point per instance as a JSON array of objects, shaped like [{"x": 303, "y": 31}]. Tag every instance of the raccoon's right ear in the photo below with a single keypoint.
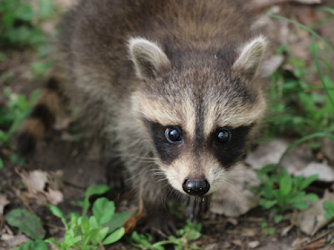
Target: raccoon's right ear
[
  {"x": 251, "y": 56},
  {"x": 148, "y": 57}
]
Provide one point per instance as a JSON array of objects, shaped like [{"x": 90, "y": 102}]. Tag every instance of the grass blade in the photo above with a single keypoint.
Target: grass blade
[
  {"x": 319, "y": 71},
  {"x": 305, "y": 138},
  {"x": 306, "y": 28}
]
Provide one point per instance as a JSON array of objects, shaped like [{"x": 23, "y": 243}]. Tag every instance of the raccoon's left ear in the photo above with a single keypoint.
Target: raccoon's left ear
[
  {"x": 250, "y": 57},
  {"x": 148, "y": 57}
]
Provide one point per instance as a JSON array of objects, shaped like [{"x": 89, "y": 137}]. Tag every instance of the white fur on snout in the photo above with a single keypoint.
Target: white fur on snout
[
  {"x": 182, "y": 168},
  {"x": 216, "y": 175}
]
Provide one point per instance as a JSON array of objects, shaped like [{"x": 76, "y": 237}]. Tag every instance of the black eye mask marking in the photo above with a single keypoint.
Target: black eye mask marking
[
  {"x": 168, "y": 151},
  {"x": 229, "y": 152}
]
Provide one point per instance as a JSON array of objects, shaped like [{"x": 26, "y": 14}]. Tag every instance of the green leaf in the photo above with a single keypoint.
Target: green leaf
[
  {"x": 266, "y": 204},
  {"x": 103, "y": 210},
  {"x": 285, "y": 185},
  {"x": 312, "y": 197},
  {"x": 101, "y": 235},
  {"x": 93, "y": 190},
  {"x": 308, "y": 181},
  {"x": 117, "y": 221},
  {"x": 192, "y": 235},
  {"x": 1, "y": 164},
  {"x": 90, "y": 235},
  {"x": 28, "y": 223},
  {"x": 56, "y": 211},
  {"x": 300, "y": 205},
  {"x": 93, "y": 224},
  {"x": 329, "y": 208},
  {"x": 96, "y": 190},
  {"x": 84, "y": 225},
  {"x": 34, "y": 245},
  {"x": 115, "y": 236},
  {"x": 45, "y": 9},
  {"x": 53, "y": 242},
  {"x": 278, "y": 218},
  {"x": 69, "y": 235},
  {"x": 264, "y": 224},
  {"x": 271, "y": 231}
]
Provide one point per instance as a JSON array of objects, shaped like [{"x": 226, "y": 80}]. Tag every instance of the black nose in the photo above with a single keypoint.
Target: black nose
[{"x": 197, "y": 188}]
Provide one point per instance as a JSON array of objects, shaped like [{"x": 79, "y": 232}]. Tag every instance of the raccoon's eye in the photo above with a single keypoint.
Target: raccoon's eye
[
  {"x": 223, "y": 136},
  {"x": 173, "y": 135}
]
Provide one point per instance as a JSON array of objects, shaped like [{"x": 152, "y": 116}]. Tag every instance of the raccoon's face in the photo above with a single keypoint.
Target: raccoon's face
[{"x": 198, "y": 118}]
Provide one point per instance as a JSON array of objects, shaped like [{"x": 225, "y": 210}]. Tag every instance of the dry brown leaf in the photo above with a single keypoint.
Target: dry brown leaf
[
  {"x": 314, "y": 245},
  {"x": 312, "y": 219},
  {"x": 45, "y": 187},
  {"x": 237, "y": 242},
  {"x": 3, "y": 202},
  {"x": 212, "y": 246},
  {"x": 325, "y": 172},
  {"x": 270, "y": 153},
  {"x": 299, "y": 241},
  {"x": 286, "y": 230},
  {"x": 253, "y": 244},
  {"x": 14, "y": 240},
  {"x": 236, "y": 199},
  {"x": 250, "y": 232}
]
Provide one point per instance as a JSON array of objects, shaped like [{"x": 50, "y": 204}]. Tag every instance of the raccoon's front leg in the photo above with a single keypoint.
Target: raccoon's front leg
[{"x": 159, "y": 221}]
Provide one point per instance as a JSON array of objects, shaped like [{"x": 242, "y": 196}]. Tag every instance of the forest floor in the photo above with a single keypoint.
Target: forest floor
[{"x": 61, "y": 151}]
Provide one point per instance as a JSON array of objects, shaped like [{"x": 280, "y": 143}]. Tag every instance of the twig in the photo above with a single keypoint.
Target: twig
[
  {"x": 18, "y": 194},
  {"x": 50, "y": 225},
  {"x": 2, "y": 221},
  {"x": 101, "y": 246},
  {"x": 313, "y": 240},
  {"x": 73, "y": 185}
]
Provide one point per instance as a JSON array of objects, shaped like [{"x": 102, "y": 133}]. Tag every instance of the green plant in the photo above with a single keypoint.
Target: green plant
[
  {"x": 281, "y": 192},
  {"x": 82, "y": 232},
  {"x": 28, "y": 223},
  {"x": 20, "y": 22},
  {"x": 329, "y": 208},
  {"x": 33, "y": 245},
  {"x": 88, "y": 233},
  {"x": 189, "y": 233},
  {"x": 11, "y": 115},
  {"x": 296, "y": 106},
  {"x": 265, "y": 229}
]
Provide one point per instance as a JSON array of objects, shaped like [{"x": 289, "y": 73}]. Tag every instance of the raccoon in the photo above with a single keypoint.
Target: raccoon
[{"x": 171, "y": 85}]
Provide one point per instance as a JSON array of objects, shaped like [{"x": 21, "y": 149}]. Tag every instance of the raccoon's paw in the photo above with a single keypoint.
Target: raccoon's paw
[
  {"x": 160, "y": 226},
  {"x": 196, "y": 208}
]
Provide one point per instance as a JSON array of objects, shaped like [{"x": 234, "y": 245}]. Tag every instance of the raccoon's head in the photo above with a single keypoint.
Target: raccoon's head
[{"x": 198, "y": 114}]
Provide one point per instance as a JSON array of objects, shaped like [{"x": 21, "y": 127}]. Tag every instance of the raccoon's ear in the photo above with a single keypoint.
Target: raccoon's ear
[
  {"x": 148, "y": 57},
  {"x": 250, "y": 57}
]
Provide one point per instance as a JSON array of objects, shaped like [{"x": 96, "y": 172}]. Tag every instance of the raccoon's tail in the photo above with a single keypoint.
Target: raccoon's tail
[{"x": 40, "y": 119}]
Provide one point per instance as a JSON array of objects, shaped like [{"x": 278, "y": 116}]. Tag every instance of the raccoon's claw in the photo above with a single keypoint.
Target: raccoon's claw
[{"x": 160, "y": 227}]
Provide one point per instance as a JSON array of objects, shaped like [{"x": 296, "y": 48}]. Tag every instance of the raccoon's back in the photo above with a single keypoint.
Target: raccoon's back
[{"x": 95, "y": 34}]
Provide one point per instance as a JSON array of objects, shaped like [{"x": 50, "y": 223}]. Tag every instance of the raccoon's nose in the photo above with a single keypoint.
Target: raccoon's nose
[{"x": 197, "y": 188}]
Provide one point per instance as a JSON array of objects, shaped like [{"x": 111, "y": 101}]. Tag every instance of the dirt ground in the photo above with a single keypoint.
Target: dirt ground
[{"x": 58, "y": 152}]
